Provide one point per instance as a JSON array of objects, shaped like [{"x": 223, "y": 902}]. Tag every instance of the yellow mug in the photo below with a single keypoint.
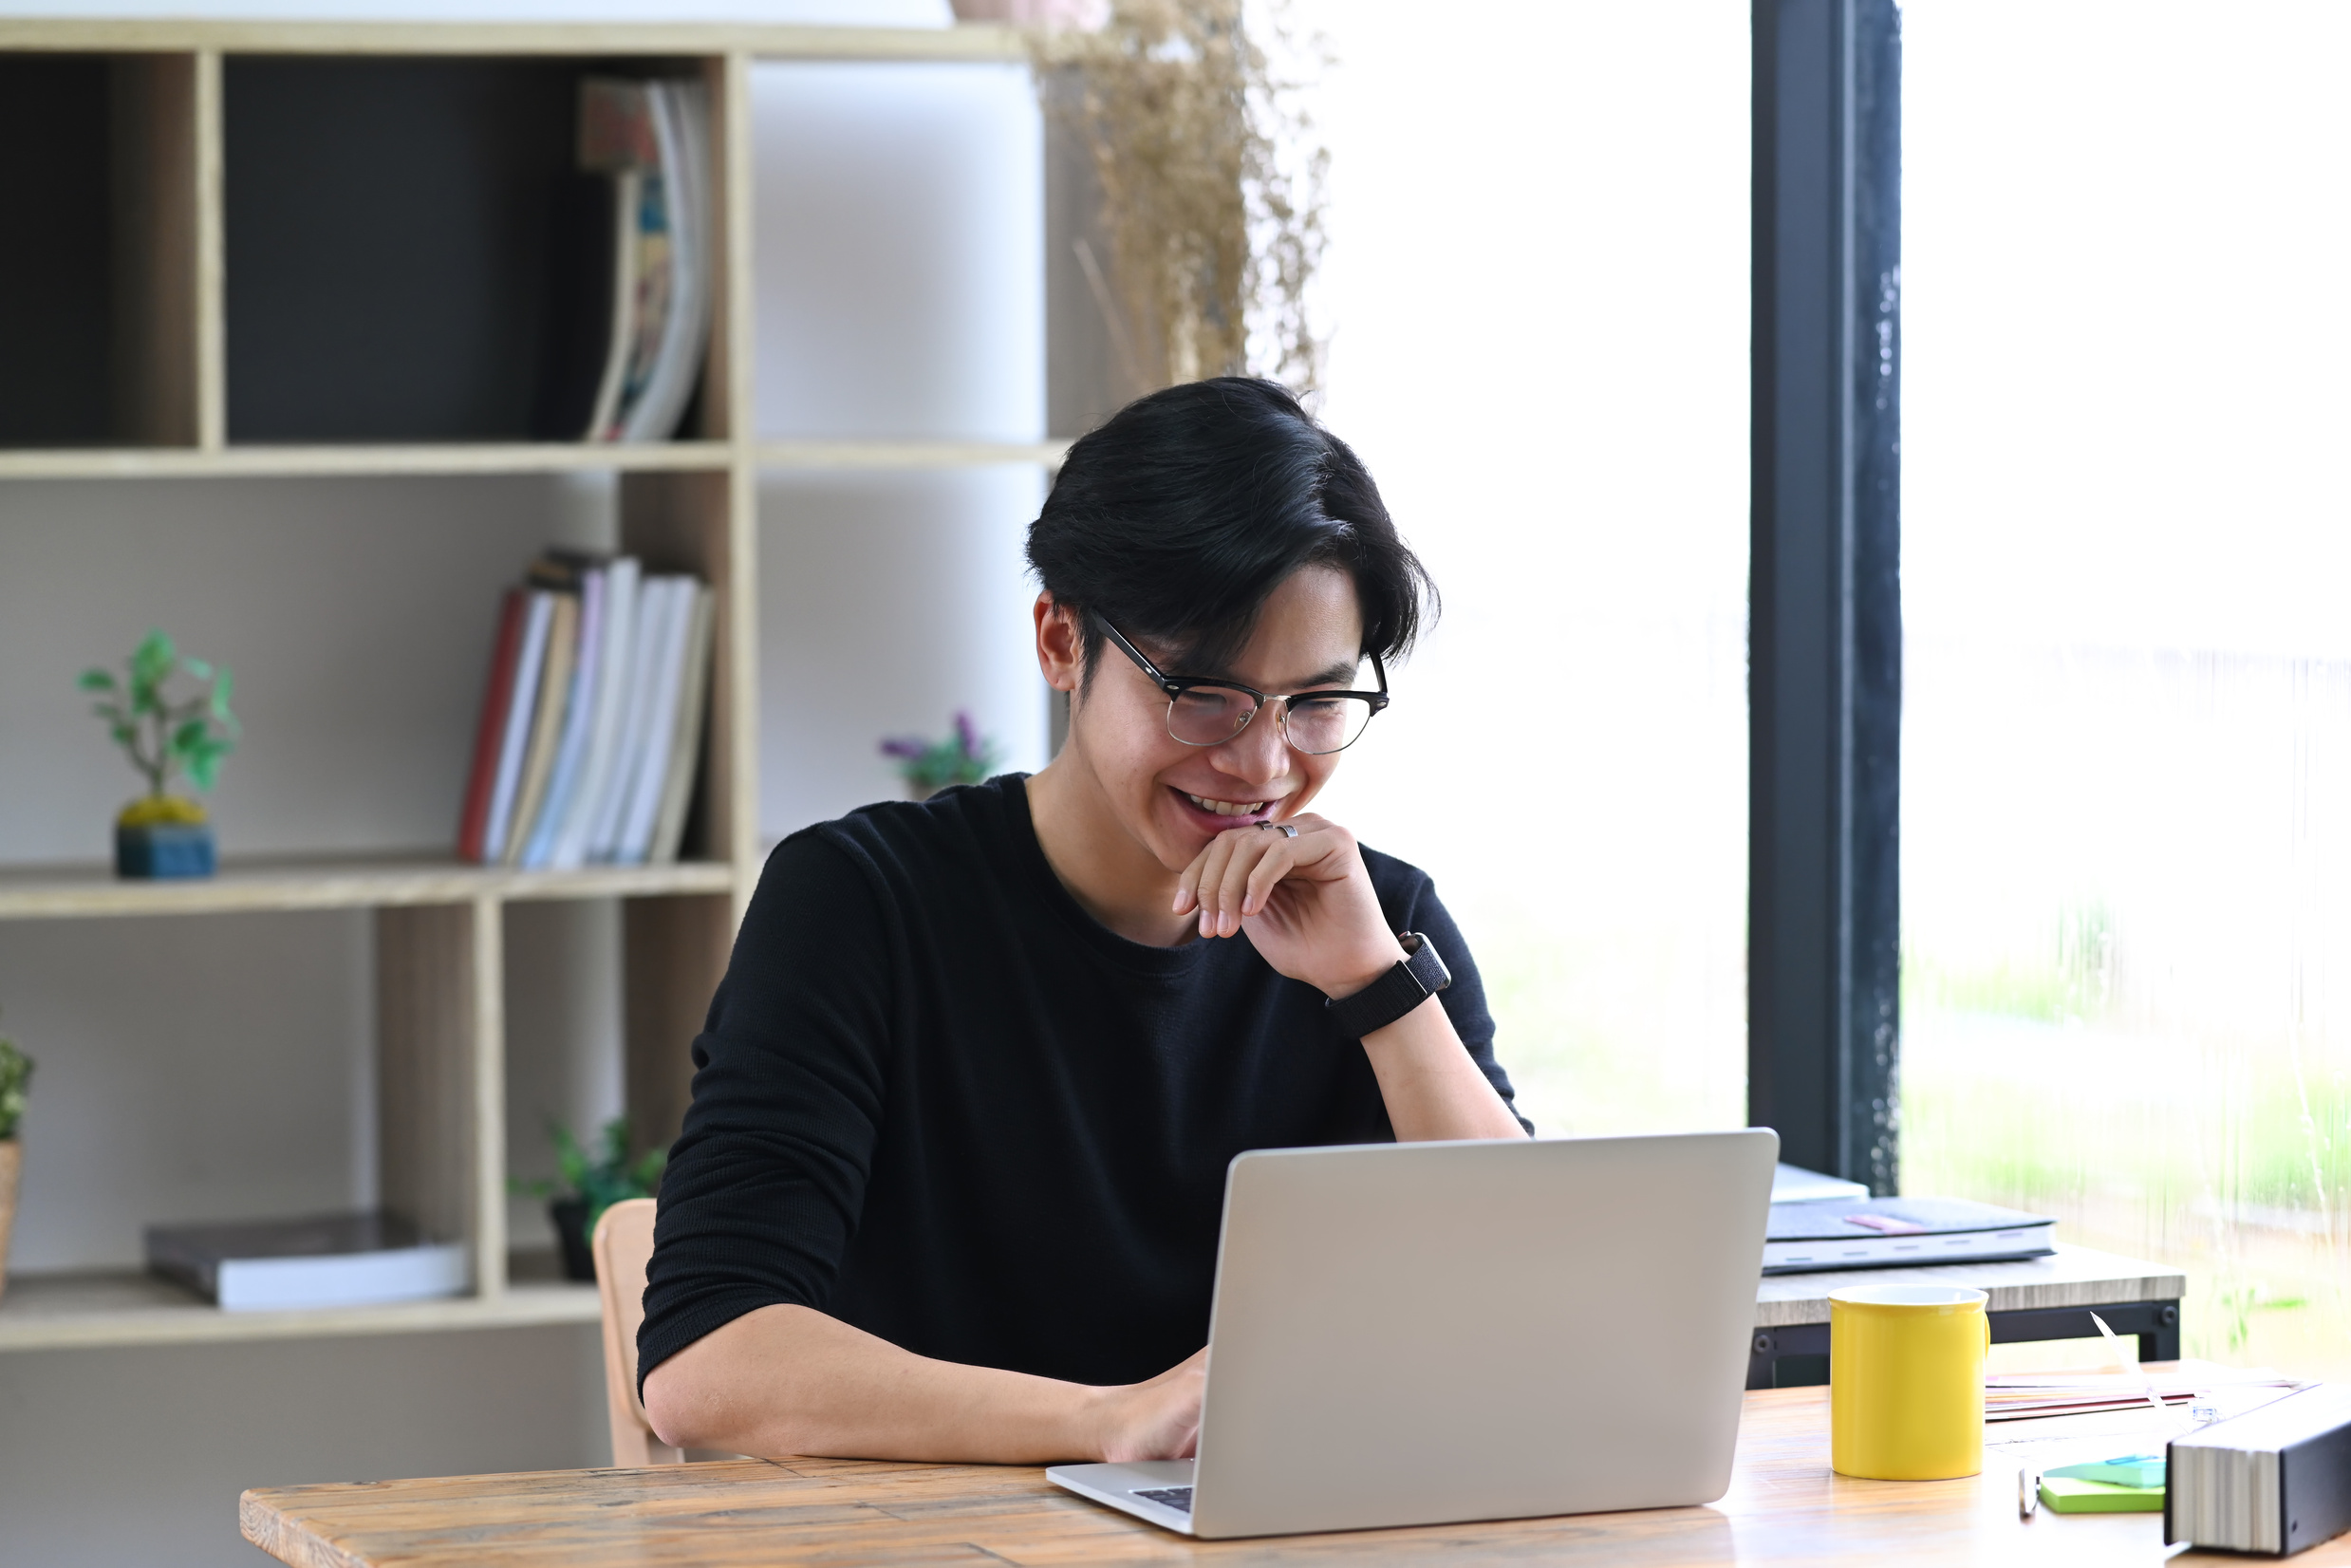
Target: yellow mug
[{"x": 1906, "y": 1381}]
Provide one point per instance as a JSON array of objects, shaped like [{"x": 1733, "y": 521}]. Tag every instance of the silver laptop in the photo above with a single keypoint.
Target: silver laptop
[{"x": 1423, "y": 1334}]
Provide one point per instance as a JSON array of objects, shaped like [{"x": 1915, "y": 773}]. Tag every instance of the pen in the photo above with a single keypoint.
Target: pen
[{"x": 2115, "y": 1342}]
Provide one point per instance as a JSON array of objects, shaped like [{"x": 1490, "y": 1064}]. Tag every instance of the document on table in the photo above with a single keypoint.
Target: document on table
[
  {"x": 2025, "y": 1396},
  {"x": 2043, "y": 1441}
]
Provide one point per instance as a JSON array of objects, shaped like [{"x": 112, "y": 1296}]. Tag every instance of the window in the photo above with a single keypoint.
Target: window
[
  {"x": 1538, "y": 279},
  {"x": 2127, "y": 711}
]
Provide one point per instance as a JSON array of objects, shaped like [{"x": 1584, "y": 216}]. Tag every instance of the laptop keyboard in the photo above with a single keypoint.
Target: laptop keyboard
[{"x": 1178, "y": 1498}]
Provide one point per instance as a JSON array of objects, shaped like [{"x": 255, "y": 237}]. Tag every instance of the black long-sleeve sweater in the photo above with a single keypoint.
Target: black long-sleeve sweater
[{"x": 939, "y": 1101}]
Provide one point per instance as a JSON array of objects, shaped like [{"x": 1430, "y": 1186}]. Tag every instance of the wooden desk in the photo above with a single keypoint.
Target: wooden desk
[
  {"x": 2034, "y": 1299},
  {"x": 1785, "y": 1506}
]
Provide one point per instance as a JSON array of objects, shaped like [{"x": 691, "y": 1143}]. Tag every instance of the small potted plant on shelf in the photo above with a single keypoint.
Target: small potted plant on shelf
[
  {"x": 162, "y": 835},
  {"x": 966, "y": 757},
  {"x": 16, "y": 1074},
  {"x": 590, "y": 1187}
]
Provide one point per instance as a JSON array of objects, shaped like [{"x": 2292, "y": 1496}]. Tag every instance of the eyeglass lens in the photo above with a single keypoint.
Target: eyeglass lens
[{"x": 1209, "y": 716}]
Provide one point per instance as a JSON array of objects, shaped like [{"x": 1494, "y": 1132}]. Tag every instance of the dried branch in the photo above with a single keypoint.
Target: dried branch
[{"x": 1212, "y": 186}]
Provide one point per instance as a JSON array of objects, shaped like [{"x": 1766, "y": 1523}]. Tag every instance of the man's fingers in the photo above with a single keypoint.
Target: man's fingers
[
  {"x": 1198, "y": 883},
  {"x": 1241, "y": 874},
  {"x": 1262, "y": 880},
  {"x": 1235, "y": 875},
  {"x": 1216, "y": 913},
  {"x": 1203, "y": 876},
  {"x": 1185, "y": 897}
]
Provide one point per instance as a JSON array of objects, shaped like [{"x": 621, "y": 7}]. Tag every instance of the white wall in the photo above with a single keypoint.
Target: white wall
[
  {"x": 222, "y": 1066},
  {"x": 891, "y": 601}
]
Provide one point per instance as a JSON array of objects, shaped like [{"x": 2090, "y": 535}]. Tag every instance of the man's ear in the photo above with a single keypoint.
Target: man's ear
[{"x": 1060, "y": 643}]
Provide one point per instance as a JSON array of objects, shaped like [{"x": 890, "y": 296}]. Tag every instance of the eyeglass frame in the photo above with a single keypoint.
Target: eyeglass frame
[{"x": 1176, "y": 686}]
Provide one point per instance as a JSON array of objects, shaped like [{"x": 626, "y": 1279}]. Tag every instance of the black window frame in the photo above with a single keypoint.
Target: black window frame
[{"x": 1824, "y": 611}]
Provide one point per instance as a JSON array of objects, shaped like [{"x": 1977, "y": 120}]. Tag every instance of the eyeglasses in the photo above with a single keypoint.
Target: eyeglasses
[{"x": 1209, "y": 713}]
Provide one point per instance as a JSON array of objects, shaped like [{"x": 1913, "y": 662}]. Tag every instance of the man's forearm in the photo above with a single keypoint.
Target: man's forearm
[
  {"x": 1432, "y": 1086},
  {"x": 790, "y": 1380}
]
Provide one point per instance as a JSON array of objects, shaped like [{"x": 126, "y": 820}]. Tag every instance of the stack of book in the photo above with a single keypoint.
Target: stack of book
[
  {"x": 632, "y": 296},
  {"x": 593, "y": 723}
]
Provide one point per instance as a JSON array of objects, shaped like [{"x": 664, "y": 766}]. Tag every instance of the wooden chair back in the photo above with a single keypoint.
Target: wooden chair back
[{"x": 623, "y": 1249}]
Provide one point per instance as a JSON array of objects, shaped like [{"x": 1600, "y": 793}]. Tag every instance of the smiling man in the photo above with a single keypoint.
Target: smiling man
[{"x": 951, "y": 1181}]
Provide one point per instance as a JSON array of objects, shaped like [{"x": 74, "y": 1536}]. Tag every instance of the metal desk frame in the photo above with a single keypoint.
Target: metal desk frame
[{"x": 2036, "y": 1299}]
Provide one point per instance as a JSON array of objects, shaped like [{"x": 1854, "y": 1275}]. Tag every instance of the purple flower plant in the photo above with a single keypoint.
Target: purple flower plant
[{"x": 964, "y": 758}]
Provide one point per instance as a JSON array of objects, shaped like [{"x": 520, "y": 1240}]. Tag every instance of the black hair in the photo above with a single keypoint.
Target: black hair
[{"x": 1177, "y": 518}]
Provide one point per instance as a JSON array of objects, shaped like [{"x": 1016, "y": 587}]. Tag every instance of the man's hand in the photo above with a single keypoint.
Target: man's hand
[
  {"x": 1305, "y": 902},
  {"x": 1307, "y": 905},
  {"x": 1155, "y": 1420}
]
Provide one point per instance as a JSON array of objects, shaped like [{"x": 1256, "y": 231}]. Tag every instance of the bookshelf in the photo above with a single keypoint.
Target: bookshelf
[{"x": 165, "y": 364}]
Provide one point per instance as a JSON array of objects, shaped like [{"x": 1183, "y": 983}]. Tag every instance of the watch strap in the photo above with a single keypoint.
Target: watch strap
[{"x": 1406, "y": 985}]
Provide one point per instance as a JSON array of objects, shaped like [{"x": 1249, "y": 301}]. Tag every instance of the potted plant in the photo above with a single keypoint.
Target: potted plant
[
  {"x": 966, "y": 757},
  {"x": 589, "y": 1186},
  {"x": 162, "y": 835},
  {"x": 16, "y": 1074}
]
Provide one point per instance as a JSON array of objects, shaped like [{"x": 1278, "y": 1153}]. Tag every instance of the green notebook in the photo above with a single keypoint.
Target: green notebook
[
  {"x": 2131, "y": 1470},
  {"x": 2065, "y": 1495}
]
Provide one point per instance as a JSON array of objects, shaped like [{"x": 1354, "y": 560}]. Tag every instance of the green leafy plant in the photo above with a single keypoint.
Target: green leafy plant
[
  {"x": 608, "y": 1177},
  {"x": 164, "y": 736},
  {"x": 15, "y": 1077},
  {"x": 966, "y": 757}
]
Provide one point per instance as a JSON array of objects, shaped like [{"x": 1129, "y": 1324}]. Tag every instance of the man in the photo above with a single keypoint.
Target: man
[{"x": 951, "y": 1181}]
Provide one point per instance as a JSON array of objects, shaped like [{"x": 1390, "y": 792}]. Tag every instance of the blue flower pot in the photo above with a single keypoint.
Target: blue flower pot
[{"x": 164, "y": 849}]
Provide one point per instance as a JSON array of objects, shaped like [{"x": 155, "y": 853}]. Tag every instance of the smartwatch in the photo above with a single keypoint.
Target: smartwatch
[{"x": 1421, "y": 976}]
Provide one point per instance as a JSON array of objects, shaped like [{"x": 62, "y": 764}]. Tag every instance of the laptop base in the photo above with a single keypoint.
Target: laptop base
[{"x": 1129, "y": 1488}]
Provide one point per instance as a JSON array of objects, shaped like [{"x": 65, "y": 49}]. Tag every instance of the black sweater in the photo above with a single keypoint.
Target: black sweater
[{"x": 937, "y": 1100}]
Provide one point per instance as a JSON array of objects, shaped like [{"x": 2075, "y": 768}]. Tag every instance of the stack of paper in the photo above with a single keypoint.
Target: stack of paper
[{"x": 2022, "y": 1396}]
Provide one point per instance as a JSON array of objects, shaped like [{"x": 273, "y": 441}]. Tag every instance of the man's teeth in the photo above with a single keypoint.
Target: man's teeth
[{"x": 1226, "y": 808}]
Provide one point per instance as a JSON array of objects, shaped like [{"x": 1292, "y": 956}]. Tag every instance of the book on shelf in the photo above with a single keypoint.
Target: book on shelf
[
  {"x": 569, "y": 848},
  {"x": 685, "y": 736},
  {"x": 321, "y": 1260},
  {"x": 633, "y": 309},
  {"x": 521, "y": 696},
  {"x": 578, "y": 719},
  {"x": 489, "y": 735},
  {"x": 593, "y": 719},
  {"x": 563, "y": 632}
]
